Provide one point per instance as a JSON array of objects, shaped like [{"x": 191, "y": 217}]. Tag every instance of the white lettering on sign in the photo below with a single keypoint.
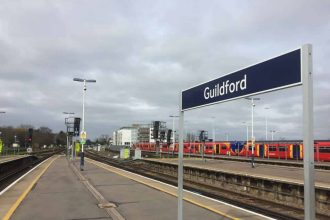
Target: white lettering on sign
[{"x": 225, "y": 88}]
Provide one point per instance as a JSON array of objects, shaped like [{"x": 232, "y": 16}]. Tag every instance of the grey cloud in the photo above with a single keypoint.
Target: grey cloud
[{"x": 143, "y": 53}]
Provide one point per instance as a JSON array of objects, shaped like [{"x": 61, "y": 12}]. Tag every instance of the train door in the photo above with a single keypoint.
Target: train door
[
  {"x": 217, "y": 149},
  {"x": 296, "y": 151},
  {"x": 261, "y": 150}
]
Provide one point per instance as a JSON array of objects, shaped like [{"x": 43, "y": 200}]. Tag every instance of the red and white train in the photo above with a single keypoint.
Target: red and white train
[{"x": 277, "y": 150}]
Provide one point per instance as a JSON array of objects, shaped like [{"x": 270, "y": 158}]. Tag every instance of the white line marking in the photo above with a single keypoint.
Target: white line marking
[
  {"x": 215, "y": 200},
  {"x": 13, "y": 183}
]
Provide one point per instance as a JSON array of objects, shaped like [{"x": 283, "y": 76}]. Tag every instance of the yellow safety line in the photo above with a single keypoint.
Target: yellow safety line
[
  {"x": 26, "y": 192},
  {"x": 164, "y": 190}
]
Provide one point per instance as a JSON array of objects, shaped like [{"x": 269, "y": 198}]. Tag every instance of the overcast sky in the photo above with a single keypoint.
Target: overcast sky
[{"x": 143, "y": 53}]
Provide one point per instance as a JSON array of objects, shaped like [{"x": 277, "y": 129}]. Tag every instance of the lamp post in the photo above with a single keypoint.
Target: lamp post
[
  {"x": 83, "y": 117},
  {"x": 213, "y": 135},
  {"x": 247, "y": 137},
  {"x": 267, "y": 108},
  {"x": 272, "y": 131},
  {"x": 67, "y": 135},
  {"x": 173, "y": 132},
  {"x": 252, "y": 134}
]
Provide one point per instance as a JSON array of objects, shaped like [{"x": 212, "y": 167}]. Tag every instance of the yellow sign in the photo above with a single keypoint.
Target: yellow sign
[
  {"x": 0, "y": 146},
  {"x": 83, "y": 135},
  {"x": 126, "y": 153},
  {"x": 77, "y": 146}
]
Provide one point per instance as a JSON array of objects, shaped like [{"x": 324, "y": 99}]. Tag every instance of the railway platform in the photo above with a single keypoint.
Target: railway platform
[
  {"x": 6, "y": 159},
  {"x": 277, "y": 183},
  {"x": 264, "y": 160},
  {"x": 264, "y": 171},
  {"x": 56, "y": 189},
  {"x": 258, "y": 160}
]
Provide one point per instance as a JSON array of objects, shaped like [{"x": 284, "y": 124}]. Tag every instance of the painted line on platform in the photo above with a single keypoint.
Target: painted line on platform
[
  {"x": 26, "y": 192},
  {"x": 101, "y": 165}
]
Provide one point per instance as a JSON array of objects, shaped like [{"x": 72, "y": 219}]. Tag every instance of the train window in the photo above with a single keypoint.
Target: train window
[
  {"x": 250, "y": 148},
  {"x": 282, "y": 148},
  {"x": 217, "y": 145},
  {"x": 272, "y": 148},
  {"x": 224, "y": 147},
  {"x": 314, "y": 149},
  {"x": 324, "y": 149}
]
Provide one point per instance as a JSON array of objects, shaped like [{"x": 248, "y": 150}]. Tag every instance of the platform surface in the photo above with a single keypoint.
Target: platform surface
[
  {"x": 288, "y": 174},
  {"x": 60, "y": 194}
]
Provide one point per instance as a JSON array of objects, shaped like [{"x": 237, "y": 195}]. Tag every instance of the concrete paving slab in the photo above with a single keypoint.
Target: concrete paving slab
[
  {"x": 137, "y": 201},
  {"x": 59, "y": 195}
]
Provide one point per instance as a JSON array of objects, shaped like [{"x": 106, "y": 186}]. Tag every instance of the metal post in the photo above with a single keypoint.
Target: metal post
[
  {"x": 252, "y": 135},
  {"x": 180, "y": 163},
  {"x": 83, "y": 129},
  {"x": 72, "y": 152},
  {"x": 266, "y": 124},
  {"x": 173, "y": 117},
  {"x": 213, "y": 137},
  {"x": 189, "y": 145},
  {"x": 67, "y": 145},
  {"x": 308, "y": 125},
  {"x": 173, "y": 133},
  {"x": 247, "y": 138},
  {"x": 272, "y": 135},
  {"x": 272, "y": 132}
]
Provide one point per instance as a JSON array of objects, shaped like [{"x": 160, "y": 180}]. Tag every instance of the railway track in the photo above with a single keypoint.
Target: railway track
[
  {"x": 258, "y": 205},
  {"x": 12, "y": 170}
]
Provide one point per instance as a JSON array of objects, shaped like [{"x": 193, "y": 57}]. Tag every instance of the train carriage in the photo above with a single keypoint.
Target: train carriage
[
  {"x": 236, "y": 148},
  {"x": 274, "y": 150},
  {"x": 208, "y": 149},
  {"x": 322, "y": 151}
]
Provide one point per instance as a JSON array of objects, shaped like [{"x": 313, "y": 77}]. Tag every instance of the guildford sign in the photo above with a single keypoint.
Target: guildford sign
[
  {"x": 291, "y": 69},
  {"x": 277, "y": 73}
]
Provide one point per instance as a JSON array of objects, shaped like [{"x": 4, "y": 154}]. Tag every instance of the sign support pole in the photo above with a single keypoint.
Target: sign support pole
[
  {"x": 308, "y": 125},
  {"x": 180, "y": 163}
]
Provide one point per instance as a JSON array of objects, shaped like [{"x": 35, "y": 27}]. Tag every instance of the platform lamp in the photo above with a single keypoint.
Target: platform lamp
[
  {"x": 83, "y": 117},
  {"x": 252, "y": 134}
]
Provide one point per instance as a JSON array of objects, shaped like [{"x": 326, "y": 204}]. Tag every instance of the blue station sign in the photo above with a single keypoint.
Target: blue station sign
[{"x": 277, "y": 73}]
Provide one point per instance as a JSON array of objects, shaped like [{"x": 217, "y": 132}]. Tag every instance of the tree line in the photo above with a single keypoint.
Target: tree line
[{"x": 40, "y": 136}]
